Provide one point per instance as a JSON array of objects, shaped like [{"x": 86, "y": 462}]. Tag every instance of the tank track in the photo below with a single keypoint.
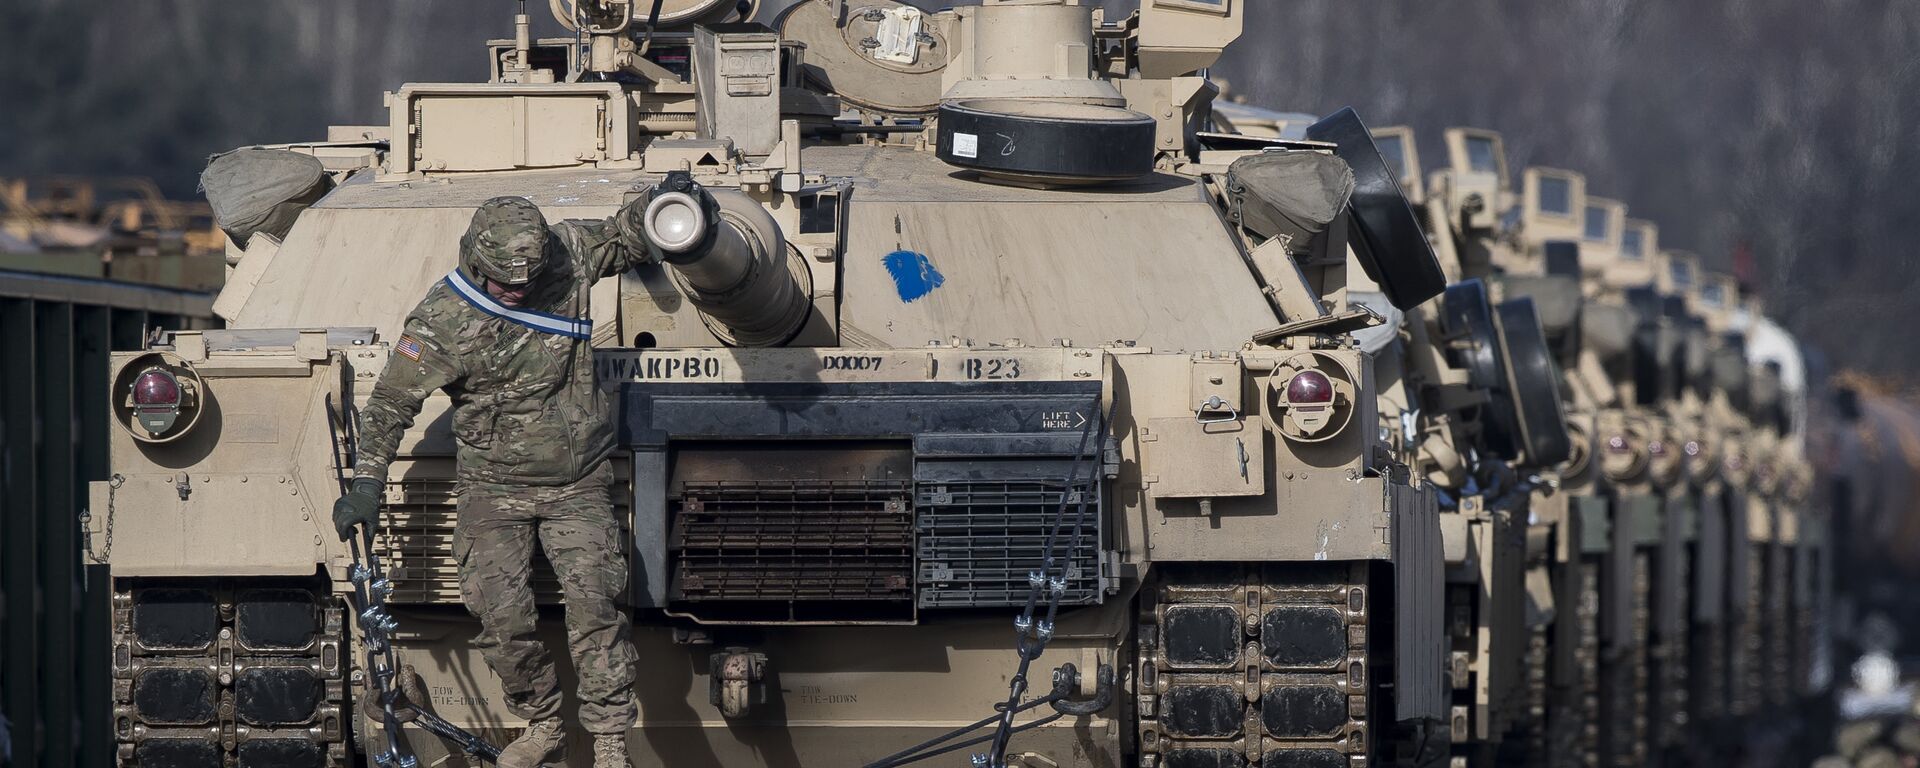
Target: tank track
[
  {"x": 1624, "y": 691},
  {"x": 211, "y": 672},
  {"x": 1747, "y": 668},
  {"x": 1263, "y": 665},
  {"x": 1667, "y": 668}
]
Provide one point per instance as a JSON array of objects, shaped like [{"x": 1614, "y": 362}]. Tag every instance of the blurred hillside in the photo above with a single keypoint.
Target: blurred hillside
[{"x": 1782, "y": 128}]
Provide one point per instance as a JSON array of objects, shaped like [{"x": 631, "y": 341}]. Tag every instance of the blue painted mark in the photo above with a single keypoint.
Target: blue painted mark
[{"x": 913, "y": 275}]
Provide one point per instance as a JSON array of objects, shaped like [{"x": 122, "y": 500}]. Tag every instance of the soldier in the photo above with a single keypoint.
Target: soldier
[{"x": 506, "y": 335}]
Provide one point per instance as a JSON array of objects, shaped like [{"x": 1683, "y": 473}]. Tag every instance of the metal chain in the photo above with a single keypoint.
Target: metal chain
[
  {"x": 1035, "y": 629},
  {"x": 86, "y": 522},
  {"x": 367, "y": 602}
]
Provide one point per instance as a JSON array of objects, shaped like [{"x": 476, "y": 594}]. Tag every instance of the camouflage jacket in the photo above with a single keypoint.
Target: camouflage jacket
[{"x": 526, "y": 408}]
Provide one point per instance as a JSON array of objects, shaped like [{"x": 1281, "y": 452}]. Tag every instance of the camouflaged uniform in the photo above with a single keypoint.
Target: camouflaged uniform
[{"x": 533, "y": 433}]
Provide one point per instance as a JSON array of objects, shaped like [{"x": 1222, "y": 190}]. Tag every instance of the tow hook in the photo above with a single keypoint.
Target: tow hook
[
  {"x": 734, "y": 681},
  {"x": 1067, "y": 678}
]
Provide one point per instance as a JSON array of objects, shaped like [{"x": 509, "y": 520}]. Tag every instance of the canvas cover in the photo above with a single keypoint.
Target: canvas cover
[
  {"x": 1288, "y": 194},
  {"x": 262, "y": 190},
  {"x": 1556, "y": 298},
  {"x": 1608, "y": 328}
]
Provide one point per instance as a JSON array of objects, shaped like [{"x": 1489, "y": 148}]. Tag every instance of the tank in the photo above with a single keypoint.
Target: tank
[
  {"x": 1025, "y": 411},
  {"x": 997, "y": 333},
  {"x": 1635, "y": 590}
]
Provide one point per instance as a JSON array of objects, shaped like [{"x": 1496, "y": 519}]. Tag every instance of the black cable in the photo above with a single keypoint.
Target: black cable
[
  {"x": 1034, "y": 636},
  {"x": 918, "y": 752},
  {"x": 653, "y": 21},
  {"x": 1022, "y": 728}
]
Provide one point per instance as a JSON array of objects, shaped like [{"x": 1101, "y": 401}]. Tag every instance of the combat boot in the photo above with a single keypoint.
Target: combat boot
[
  {"x": 544, "y": 741},
  {"x": 610, "y": 751}
]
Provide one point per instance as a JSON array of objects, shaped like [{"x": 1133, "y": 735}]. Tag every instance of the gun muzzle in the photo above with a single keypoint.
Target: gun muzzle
[{"x": 746, "y": 285}]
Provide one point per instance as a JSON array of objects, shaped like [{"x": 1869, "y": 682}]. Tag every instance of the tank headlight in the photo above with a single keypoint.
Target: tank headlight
[
  {"x": 1315, "y": 402},
  {"x": 1629, "y": 453},
  {"x": 1308, "y": 388},
  {"x": 1309, "y": 401},
  {"x": 156, "y": 400},
  {"x": 157, "y": 397}
]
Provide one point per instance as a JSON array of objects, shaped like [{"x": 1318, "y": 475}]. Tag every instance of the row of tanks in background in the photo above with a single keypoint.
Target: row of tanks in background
[
  {"x": 1261, "y": 445},
  {"x": 1649, "y": 578}
]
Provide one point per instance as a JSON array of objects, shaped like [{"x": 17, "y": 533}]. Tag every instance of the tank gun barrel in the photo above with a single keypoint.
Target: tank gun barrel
[{"x": 731, "y": 260}]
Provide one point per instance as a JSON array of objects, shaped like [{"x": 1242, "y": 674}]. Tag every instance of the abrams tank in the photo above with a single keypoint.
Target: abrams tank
[
  {"x": 1010, "y": 395},
  {"x": 1478, "y": 404},
  {"x": 1663, "y": 593}
]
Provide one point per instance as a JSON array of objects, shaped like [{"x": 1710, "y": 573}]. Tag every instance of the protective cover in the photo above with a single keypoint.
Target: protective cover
[
  {"x": 1766, "y": 407},
  {"x": 1473, "y": 340},
  {"x": 1536, "y": 390},
  {"x": 1652, "y": 347},
  {"x": 262, "y": 190},
  {"x": 1392, "y": 247},
  {"x": 1288, "y": 194},
  {"x": 1555, "y": 298},
  {"x": 1673, "y": 350},
  {"x": 1697, "y": 351},
  {"x": 1045, "y": 140}
]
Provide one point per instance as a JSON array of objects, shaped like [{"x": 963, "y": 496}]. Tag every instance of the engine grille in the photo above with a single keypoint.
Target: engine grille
[
  {"x": 979, "y": 541},
  {"x": 416, "y": 540},
  {"x": 793, "y": 550}
]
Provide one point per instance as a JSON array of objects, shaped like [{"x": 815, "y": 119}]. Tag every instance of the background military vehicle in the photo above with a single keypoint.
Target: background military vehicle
[
  {"x": 1469, "y": 392},
  {"x": 994, "y": 324},
  {"x": 1652, "y": 321}
]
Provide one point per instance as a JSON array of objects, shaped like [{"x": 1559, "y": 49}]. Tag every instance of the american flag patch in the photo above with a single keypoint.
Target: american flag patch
[{"x": 408, "y": 346}]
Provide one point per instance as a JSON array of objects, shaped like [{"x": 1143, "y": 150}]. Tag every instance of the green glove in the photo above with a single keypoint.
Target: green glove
[{"x": 361, "y": 506}]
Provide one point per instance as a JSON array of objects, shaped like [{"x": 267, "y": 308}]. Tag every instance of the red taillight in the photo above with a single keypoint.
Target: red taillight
[
  {"x": 1309, "y": 388},
  {"x": 156, "y": 388}
]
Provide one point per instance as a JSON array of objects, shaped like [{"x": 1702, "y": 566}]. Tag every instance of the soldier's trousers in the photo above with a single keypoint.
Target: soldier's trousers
[{"x": 574, "y": 524}]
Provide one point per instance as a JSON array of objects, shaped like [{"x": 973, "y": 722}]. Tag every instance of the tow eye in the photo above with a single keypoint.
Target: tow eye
[{"x": 734, "y": 677}]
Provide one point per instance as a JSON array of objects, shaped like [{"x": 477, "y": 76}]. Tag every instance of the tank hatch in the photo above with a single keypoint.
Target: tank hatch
[{"x": 880, "y": 56}]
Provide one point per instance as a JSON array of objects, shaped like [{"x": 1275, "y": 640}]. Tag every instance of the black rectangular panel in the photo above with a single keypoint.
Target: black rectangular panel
[{"x": 658, "y": 412}]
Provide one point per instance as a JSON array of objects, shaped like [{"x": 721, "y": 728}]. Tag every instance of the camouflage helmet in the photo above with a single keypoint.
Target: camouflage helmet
[{"x": 507, "y": 241}]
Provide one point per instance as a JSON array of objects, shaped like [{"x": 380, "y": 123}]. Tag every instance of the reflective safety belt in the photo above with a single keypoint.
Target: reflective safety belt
[{"x": 570, "y": 327}]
